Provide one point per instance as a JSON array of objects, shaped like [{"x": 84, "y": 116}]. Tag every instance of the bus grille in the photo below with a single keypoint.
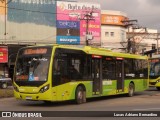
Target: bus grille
[{"x": 152, "y": 83}]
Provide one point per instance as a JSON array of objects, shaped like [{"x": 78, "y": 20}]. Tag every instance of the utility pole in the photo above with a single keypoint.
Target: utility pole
[
  {"x": 157, "y": 43},
  {"x": 5, "y": 17},
  {"x": 5, "y": 20},
  {"x": 87, "y": 17},
  {"x": 128, "y": 24}
]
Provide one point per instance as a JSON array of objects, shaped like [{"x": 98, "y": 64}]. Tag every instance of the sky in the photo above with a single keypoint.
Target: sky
[{"x": 147, "y": 12}]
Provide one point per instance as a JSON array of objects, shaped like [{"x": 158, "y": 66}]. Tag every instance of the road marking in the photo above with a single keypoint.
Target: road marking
[{"x": 147, "y": 109}]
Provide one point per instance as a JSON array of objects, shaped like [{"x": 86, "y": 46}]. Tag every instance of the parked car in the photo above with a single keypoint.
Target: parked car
[{"x": 5, "y": 82}]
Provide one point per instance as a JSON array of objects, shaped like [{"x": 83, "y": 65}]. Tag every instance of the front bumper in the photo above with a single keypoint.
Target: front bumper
[
  {"x": 32, "y": 97},
  {"x": 154, "y": 83}
]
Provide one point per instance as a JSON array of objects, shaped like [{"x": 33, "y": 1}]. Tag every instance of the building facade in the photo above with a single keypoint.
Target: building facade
[
  {"x": 49, "y": 21},
  {"x": 144, "y": 39},
  {"x": 28, "y": 21},
  {"x": 113, "y": 30}
]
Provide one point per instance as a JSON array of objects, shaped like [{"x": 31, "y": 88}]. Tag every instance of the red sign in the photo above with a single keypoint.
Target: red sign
[
  {"x": 35, "y": 51},
  {"x": 96, "y": 56},
  {"x": 154, "y": 60},
  {"x": 119, "y": 58},
  {"x": 3, "y": 54}
]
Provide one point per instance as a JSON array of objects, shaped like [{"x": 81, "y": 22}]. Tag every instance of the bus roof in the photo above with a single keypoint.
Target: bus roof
[
  {"x": 102, "y": 51},
  {"x": 97, "y": 51}
]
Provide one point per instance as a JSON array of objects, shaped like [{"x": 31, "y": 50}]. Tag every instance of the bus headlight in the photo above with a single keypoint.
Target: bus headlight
[
  {"x": 158, "y": 81},
  {"x": 44, "y": 89}
]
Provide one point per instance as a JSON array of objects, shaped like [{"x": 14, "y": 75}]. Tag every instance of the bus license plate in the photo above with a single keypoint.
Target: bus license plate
[{"x": 28, "y": 98}]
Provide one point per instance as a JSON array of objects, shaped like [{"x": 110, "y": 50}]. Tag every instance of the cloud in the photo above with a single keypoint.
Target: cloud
[
  {"x": 147, "y": 12},
  {"x": 153, "y": 2}
]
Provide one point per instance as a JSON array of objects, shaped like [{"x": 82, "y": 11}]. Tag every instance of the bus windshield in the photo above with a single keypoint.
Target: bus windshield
[
  {"x": 32, "y": 66},
  {"x": 154, "y": 68}
]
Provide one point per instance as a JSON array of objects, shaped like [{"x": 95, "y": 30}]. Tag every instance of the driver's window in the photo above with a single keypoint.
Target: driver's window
[{"x": 157, "y": 69}]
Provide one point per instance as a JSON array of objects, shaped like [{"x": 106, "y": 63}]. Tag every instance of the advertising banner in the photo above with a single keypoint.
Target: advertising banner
[
  {"x": 68, "y": 40},
  {"x": 2, "y": 7},
  {"x": 67, "y": 32},
  {"x": 2, "y": 11},
  {"x": 3, "y": 54},
  {"x": 77, "y": 11},
  {"x": 113, "y": 19},
  {"x": 68, "y": 24}
]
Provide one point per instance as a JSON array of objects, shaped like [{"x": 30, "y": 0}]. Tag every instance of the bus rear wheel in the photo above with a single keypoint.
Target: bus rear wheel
[
  {"x": 80, "y": 96},
  {"x": 131, "y": 90}
]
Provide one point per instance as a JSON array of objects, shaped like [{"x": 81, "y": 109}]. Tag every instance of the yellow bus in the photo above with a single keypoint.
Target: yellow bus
[
  {"x": 154, "y": 76},
  {"x": 61, "y": 72}
]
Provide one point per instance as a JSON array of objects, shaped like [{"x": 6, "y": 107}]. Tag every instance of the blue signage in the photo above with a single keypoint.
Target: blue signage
[
  {"x": 68, "y": 24},
  {"x": 74, "y": 40}
]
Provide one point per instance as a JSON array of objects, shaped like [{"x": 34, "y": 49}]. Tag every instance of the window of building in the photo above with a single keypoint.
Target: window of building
[
  {"x": 112, "y": 34},
  {"x": 122, "y": 35},
  {"x": 107, "y": 34}
]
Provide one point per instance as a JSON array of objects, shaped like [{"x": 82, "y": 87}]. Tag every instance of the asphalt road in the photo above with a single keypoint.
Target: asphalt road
[
  {"x": 142, "y": 101},
  {"x": 147, "y": 100}
]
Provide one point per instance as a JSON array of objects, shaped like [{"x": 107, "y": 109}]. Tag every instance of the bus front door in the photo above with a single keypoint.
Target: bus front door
[
  {"x": 120, "y": 75},
  {"x": 97, "y": 76}
]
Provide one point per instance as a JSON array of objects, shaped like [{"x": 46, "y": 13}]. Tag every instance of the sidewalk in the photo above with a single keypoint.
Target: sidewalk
[{"x": 4, "y": 93}]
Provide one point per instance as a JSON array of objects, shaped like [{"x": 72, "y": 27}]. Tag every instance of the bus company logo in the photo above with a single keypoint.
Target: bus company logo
[
  {"x": 21, "y": 114},
  {"x": 6, "y": 114}
]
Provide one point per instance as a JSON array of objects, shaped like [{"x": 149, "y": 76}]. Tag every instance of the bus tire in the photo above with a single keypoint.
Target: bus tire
[
  {"x": 80, "y": 96},
  {"x": 4, "y": 85},
  {"x": 158, "y": 88},
  {"x": 48, "y": 102},
  {"x": 131, "y": 90}
]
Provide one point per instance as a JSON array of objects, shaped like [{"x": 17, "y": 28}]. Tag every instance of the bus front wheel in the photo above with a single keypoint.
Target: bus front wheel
[
  {"x": 80, "y": 95},
  {"x": 131, "y": 90}
]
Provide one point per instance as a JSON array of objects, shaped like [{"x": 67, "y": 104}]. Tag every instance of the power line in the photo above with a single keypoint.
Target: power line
[
  {"x": 20, "y": 9},
  {"x": 143, "y": 15},
  {"x": 87, "y": 17},
  {"x": 31, "y": 10}
]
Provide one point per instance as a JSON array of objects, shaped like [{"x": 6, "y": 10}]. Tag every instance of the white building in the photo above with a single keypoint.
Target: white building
[
  {"x": 113, "y": 30},
  {"x": 144, "y": 38}
]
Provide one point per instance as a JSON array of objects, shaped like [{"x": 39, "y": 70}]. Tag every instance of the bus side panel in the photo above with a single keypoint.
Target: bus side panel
[
  {"x": 140, "y": 84},
  {"x": 109, "y": 87},
  {"x": 67, "y": 91},
  {"x": 88, "y": 86}
]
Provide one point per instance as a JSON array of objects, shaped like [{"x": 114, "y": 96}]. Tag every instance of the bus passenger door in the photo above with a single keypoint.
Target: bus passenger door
[
  {"x": 120, "y": 75},
  {"x": 97, "y": 76}
]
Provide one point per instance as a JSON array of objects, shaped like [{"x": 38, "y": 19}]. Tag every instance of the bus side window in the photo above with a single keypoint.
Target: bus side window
[
  {"x": 108, "y": 71},
  {"x": 70, "y": 65}
]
